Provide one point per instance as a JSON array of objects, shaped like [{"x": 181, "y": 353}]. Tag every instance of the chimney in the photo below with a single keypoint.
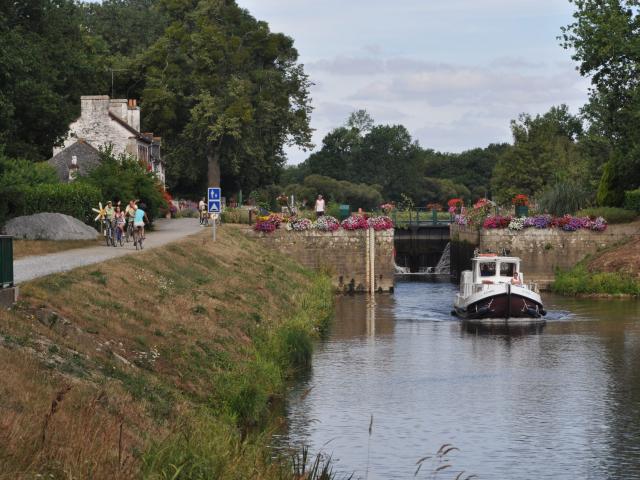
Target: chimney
[
  {"x": 133, "y": 114},
  {"x": 94, "y": 105},
  {"x": 73, "y": 168}
]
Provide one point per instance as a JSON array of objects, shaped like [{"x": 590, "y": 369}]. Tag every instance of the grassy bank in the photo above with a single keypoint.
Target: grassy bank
[
  {"x": 580, "y": 281},
  {"x": 162, "y": 365}
]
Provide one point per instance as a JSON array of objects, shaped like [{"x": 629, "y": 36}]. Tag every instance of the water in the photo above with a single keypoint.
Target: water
[{"x": 557, "y": 402}]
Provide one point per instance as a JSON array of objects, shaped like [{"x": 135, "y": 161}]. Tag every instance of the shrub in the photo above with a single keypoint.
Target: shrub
[
  {"x": 563, "y": 198},
  {"x": 124, "y": 178},
  {"x": 236, "y": 215},
  {"x": 75, "y": 199},
  {"x": 632, "y": 200},
  {"x": 610, "y": 214}
]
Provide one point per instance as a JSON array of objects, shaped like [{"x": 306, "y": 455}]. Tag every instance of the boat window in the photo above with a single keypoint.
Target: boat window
[
  {"x": 487, "y": 269},
  {"x": 507, "y": 269}
]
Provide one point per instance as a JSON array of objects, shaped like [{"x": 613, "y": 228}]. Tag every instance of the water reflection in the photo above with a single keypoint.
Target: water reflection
[{"x": 561, "y": 401}]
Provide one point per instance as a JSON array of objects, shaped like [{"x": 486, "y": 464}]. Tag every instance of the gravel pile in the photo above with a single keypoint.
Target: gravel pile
[{"x": 49, "y": 226}]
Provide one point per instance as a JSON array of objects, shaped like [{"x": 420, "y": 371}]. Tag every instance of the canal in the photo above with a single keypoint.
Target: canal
[{"x": 557, "y": 402}]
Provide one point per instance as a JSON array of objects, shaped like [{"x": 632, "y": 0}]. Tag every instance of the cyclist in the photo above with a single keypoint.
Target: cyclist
[
  {"x": 120, "y": 221},
  {"x": 109, "y": 212},
  {"x": 138, "y": 222},
  {"x": 129, "y": 213},
  {"x": 202, "y": 208}
]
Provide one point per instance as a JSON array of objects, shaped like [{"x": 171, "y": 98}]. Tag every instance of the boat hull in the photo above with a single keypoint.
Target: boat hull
[{"x": 501, "y": 305}]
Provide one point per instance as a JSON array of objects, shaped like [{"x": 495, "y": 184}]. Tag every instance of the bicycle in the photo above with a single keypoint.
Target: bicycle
[
  {"x": 119, "y": 237},
  {"x": 204, "y": 220},
  {"x": 109, "y": 233},
  {"x": 138, "y": 238},
  {"x": 128, "y": 231}
]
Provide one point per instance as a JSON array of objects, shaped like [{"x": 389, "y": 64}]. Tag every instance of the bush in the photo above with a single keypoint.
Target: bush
[
  {"x": 632, "y": 200},
  {"x": 358, "y": 195},
  {"x": 123, "y": 179},
  {"x": 75, "y": 199},
  {"x": 610, "y": 214},
  {"x": 563, "y": 198},
  {"x": 235, "y": 215}
]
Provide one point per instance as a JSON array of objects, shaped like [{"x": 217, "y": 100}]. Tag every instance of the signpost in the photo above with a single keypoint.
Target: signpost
[{"x": 214, "y": 199}]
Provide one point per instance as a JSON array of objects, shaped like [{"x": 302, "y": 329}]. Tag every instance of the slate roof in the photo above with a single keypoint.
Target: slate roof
[{"x": 88, "y": 159}]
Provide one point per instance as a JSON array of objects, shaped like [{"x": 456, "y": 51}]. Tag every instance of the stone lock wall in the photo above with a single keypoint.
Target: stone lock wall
[
  {"x": 543, "y": 251},
  {"x": 341, "y": 253}
]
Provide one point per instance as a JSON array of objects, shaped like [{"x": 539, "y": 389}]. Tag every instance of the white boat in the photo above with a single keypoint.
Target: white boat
[{"x": 495, "y": 289}]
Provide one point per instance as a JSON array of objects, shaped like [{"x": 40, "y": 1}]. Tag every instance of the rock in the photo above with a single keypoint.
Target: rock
[{"x": 49, "y": 226}]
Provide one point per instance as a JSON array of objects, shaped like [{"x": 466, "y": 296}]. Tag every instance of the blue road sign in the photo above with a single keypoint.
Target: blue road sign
[
  {"x": 214, "y": 206},
  {"x": 214, "y": 195}
]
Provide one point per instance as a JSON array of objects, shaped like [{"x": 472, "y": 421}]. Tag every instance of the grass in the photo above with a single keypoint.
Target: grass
[
  {"x": 580, "y": 281},
  {"x": 27, "y": 248},
  {"x": 174, "y": 359}
]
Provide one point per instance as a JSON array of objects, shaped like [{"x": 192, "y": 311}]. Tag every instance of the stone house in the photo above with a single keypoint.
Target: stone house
[{"x": 104, "y": 121}]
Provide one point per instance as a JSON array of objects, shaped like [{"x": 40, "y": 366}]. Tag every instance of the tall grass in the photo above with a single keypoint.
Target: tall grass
[{"x": 179, "y": 379}]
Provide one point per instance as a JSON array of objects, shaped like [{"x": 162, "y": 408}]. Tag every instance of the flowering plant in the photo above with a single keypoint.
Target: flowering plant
[
  {"x": 283, "y": 200},
  {"x": 380, "y": 223},
  {"x": 481, "y": 203},
  {"x": 540, "y": 221},
  {"x": 327, "y": 223},
  {"x": 265, "y": 227},
  {"x": 276, "y": 219},
  {"x": 460, "y": 219},
  {"x": 434, "y": 206},
  {"x": 598, "y": 225},
  {"x": 455, "y": 204},
  {"x": 355, "y": 222},
  {"x": 496, "y": 221},
  {"x": 516, "y": 223},
  {"x": 299, "y": 225},
  {"x": 520, "y": 200},
  {"x": 387, "y": 207}
]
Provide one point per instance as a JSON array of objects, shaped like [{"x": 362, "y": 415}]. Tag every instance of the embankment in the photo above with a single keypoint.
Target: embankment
[
  {"x": 163, "y": 364},
  {"x": 614, "y": 271}
]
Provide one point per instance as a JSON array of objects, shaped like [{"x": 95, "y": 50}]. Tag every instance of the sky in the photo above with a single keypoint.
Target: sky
[{"x": 454, "y": 72}]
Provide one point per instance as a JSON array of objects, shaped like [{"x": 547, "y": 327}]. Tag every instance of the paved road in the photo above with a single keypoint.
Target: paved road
[{"x": 166, "y": 231}]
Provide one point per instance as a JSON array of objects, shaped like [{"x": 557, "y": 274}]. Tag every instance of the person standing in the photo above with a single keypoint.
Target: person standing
[{"x": 319, "y": 206}]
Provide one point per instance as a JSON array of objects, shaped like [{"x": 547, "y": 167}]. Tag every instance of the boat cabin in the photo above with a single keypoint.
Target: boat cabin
[{"x": 490, "y": 269}]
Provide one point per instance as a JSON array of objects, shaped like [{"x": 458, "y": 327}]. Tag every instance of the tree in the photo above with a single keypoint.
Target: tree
[
  {"x": 46, "y": 60},
  {"x": 607, "y": 46},
  {"x": 360, "y": 121},
  {"x": 227, "y": 95},
  {"x": 544, "y": 151}
]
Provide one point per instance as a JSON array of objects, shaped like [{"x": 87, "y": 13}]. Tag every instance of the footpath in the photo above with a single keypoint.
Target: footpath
[{"x": 165, "y": 231}]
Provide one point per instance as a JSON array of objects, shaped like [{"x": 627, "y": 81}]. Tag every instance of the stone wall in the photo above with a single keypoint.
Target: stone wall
[
  {"x": 543, "y": 251},
  {"x": 341, "y": 253}
]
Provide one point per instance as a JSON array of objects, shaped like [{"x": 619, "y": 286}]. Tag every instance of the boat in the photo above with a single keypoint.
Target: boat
[{"x": 494, "y": 288}]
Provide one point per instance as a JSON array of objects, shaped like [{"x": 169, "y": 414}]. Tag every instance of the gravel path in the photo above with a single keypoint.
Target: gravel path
[{"x": 166, "y": 231}]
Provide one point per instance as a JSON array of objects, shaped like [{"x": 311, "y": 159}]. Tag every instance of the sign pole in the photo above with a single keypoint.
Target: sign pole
[{"x": 214, "y": 195}]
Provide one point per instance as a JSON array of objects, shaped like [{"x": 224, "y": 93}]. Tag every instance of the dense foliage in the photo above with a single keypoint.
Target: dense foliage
[
  {"x": 122, "y": 179},
  {"x": 605, "y": 43}
]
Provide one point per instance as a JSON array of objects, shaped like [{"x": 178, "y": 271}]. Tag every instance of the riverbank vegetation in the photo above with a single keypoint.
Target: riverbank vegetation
[
  {"x": 167, "y": 364},
  {"x": 613, "y": 271}
]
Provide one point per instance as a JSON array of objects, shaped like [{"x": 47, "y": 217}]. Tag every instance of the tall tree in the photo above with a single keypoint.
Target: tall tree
[
  {"x": 227, "y": 95},
  {"x": 544, "y": 151},
  {"x": 46, "y": 62},
  {"x": 604, "y": 38}
]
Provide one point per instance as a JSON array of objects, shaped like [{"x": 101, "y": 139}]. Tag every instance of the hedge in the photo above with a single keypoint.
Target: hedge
[
  {"x": 75, "y": 199},
  {"x": 632, "y": 200}
]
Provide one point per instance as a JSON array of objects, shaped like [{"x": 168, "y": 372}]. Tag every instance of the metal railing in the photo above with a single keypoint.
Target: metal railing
[{"x": 419, "y": 217}]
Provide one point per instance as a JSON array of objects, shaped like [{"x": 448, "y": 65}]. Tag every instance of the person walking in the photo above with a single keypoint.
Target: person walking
[{"x": 319, "y": 206}]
